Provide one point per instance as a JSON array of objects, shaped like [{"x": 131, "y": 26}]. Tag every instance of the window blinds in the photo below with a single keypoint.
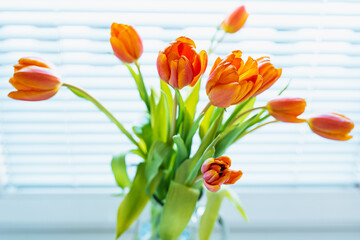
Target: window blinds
[{"x": 65, "y": 143}]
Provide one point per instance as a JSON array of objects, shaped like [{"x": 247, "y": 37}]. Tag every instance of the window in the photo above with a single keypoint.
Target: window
[{"x": 65, "y": 143}]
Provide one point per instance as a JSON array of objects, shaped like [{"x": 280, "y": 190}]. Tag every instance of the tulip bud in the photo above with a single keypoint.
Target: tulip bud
[
  {"x": 180, "y": 65},
  {"x": 332, "y": 126},
  {"x": 287, "y": 109},
  {"x": 232, "y": 81},
  {"x": 268, "y": 72},
  {"x": 235, "y": 20},
  {"x": 35, "y": 80},
  {"x": 126, "y": 43},
  {"x": 216, "y": 172}
]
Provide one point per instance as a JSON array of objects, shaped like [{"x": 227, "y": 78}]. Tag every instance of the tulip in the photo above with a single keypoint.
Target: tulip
[
  {"x": 126, "y": 43},
  {"x": 235, "y": 21},
  {"x": 332, "y": 126},
  {"x": 232, "y": 81},
  {"x": 35, "y": 80},
  {"x": 216, "y": 172},
  {"x": 268, "y": 72},
  {"x": 287, "y": 109},
  {"x": 180, "y": 65}
]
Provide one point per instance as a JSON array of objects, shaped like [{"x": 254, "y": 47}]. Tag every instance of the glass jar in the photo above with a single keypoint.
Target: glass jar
[{"x": 147, "y": 226}]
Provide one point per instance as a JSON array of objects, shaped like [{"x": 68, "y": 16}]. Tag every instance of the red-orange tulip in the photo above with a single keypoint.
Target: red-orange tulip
[
  {"x": 232, "y": 81},
  {"x": 332, "y": 126},
  {"x": 268, "y": 72},
  {"x": 35, "y": 80},
  {"x": 287, "y": 109},
  {"x": 126, "y": 42},
  {"x": 180, "y": 65},
  {"x": 235, "y": 21},
  {"x": 216, "y": 172}
]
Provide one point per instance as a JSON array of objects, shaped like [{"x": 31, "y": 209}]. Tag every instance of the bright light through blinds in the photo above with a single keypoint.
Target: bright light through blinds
[{"x": 66, "y": 143}]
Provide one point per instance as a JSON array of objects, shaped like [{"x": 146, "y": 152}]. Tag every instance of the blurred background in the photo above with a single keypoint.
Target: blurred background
[{"x": 55, "y": 175}]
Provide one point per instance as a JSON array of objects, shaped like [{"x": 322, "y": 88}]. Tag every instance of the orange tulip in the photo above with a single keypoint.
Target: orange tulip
[
  {"x": 232, "y": 81},
  {"x": 125, "y": 42},
  {"x": 287, "y": 109},
  {"x": 35, "y": 80},
  {"x": 179, "y": 65},
  {"x": 268, "y": 72},
  {"x": 235, "y": 20},
  {"x": 216, "y": 172},
  {"x": 332, "y": 126}
]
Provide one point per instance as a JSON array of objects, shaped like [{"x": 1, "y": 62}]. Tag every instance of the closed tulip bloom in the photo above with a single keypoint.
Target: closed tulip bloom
[
  {"x": 235, "y": 21},
  {"x": 216, "y": 172},
  {"x": 332, "y": 126},
  {"x": 268, "y": 72},
  {"x": 232, "y": 81},
  {"x": 180, "y": 65},
  {"x": 35, "y": 80},
  {"x": 126, "y": 42},
  {"x": 287, "y": 109}
]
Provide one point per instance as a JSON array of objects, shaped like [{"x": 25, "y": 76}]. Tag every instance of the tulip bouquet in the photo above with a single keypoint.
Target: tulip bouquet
[{"x": 173, "y": 172}]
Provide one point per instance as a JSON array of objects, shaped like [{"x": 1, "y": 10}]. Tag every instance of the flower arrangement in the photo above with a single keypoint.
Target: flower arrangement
[{"x": 172, "y": 174}]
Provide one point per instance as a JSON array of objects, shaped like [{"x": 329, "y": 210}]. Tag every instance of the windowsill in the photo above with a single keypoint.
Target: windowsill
[{"x": 268, "y": 210}]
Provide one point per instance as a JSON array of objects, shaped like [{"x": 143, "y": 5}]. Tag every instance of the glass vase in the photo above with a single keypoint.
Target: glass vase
[{"x": 147, "y": 226}]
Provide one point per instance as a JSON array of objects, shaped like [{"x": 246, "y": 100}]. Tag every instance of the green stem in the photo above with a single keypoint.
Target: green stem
[
  {"x": 213, "y": 39},
  {"x": 264, "y": 124},
  {"x": 143, "y": 88},
  {"x": 244, "y": 113},
  {"x": 81, "y": 93},
  {"x": 212, "y": 48},
  {"x": 173, "y": 120}
]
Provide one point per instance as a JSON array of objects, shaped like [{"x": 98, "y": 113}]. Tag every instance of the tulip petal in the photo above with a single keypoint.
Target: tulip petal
[
  {"x": 187, "y": 41},
  {"x": 283, "y": 117},
  {"x": 32, "y": 95},
  {"x": 174, "y": 74},
  {"x": 37, "y": 78},
  {"x": 224, "y": 95},
  {"x": 120, "y": 50},
  {"x": 206, "y": 165},
  {"x": 234, "y": 176},
  {"x": 136, "y": 45},
  {"x": 20, "y": 86},
  {"x": 163, "y": 67},
  {"x": 185, "y": 72},
  {"x": 211, "y": 176},
  {"x": 32, "y": 61},
  {"x": 212, "y": 188}
]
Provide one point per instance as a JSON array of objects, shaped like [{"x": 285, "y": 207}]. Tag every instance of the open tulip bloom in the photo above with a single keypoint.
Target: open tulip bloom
[{"x": 173, "y": 173}]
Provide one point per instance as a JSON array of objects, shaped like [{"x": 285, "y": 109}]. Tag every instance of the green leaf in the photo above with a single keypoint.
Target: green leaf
[
  {"x": 118, "y": 166},
  {"x": 161, "y": 124},
  {"x": 144, "y": 133},
  {"x": 80, "y": 94},
  {"x": 133, "y": 203},
  {"x": 178, "y": 209},
  {"x": 192, "y": 100},
  {"x": 208, "y": 219},
  {"x": 181, "y": 151},
  {"x": 286, "y": 87},
  {"x": 231, "y": 195},
  {"x": 158, "y": 155},
  {"x": 209, "y": 137},
  {"x": 230, "y": 137},
  {"x": 188, "y": 165},
  {"x": 181, "y": 104},
  {"x": 242, "y": 107},
  {"x": 140, "y": 86},
  {"x": 165, "y": 88},
  {"x": 192, "y": 131},
  {"x": 205, "y": 123}
]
